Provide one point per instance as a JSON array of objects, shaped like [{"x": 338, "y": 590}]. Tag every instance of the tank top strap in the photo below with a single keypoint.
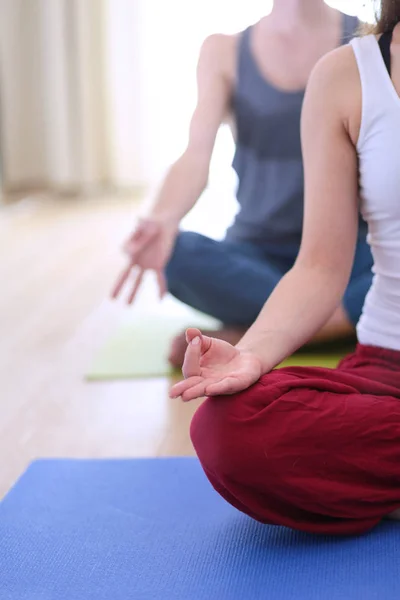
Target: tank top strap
[
  {"x": 384, "y": 44},
  {"x": 245, "y": 63},
  {"x": 377, "y": 88},
  {"x": 350, "y": 26},
  {"x": 244, "y": 45},
  {"x": 374, "y": 76}
]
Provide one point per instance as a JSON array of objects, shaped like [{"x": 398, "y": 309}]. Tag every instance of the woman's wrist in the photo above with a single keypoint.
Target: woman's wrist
[
  {"x": 165, "y": 218},
  {"x": 257, "y": 351},
  {"x": 270, "y": 348}
]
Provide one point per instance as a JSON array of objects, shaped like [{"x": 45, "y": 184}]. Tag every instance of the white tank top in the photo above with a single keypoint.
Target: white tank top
[{"x": 378, "y": 149}]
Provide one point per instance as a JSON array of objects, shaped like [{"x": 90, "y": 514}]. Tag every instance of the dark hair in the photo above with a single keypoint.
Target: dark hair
[{"x": 388, "y": 15}]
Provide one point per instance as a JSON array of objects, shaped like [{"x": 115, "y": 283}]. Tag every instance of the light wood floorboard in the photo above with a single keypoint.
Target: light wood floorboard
[{"x": 59, "y": 258}]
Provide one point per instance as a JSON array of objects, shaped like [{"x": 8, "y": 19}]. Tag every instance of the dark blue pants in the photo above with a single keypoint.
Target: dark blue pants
[{"x": 231, "y": 281}]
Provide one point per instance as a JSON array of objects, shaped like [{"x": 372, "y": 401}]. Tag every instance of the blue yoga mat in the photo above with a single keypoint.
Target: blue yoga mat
[{"x": 155, "y": 530}]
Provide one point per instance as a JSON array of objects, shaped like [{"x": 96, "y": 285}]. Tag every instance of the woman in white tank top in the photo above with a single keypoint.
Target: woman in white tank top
[{"x": 310, "y": 448}]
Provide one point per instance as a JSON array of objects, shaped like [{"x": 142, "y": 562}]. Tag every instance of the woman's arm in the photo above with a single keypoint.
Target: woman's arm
[
  {"x": 308, "y": 295},
  {"x": 188, "y": 176}
]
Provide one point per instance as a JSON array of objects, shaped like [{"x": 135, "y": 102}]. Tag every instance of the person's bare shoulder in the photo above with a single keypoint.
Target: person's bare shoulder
[
  {"x": 218, "y": 53},
  {"x": 335, "y": 80}
]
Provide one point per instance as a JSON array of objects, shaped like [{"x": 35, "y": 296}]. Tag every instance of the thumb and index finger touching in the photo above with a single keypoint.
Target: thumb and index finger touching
[
  {"x": 198, "y": 344},
  {"x": 191, "y": 366},
  {"x": 142, "y": 235}
]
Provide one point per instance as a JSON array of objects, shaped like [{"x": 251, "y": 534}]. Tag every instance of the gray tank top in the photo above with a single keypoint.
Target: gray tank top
[{"x": 268, "y": 158}]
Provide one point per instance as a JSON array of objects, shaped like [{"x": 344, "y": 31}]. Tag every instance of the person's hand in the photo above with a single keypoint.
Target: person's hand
[
  {"x": 213, "y": 367},
  {"x": 148, "y": 248}
]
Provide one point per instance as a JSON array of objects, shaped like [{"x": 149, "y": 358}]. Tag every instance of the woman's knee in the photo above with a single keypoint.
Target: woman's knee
[
  {"x": 188, "y": 249},
  {"x": 229, "y": 433},
  {"x": 238, "y": 444},
  {"x": 215, "y": 437},
  {"x": 275, "y": 452},
  {"x": 208, "y": 433}
]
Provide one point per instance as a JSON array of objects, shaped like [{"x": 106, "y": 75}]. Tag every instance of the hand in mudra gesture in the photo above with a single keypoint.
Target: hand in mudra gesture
[
  {"x": 213, "y": 367},
  {"x": 148, "y": 249}
]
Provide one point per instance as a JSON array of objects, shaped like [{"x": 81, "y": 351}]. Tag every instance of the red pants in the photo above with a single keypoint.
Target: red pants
[{"x": 313, "y": 449}]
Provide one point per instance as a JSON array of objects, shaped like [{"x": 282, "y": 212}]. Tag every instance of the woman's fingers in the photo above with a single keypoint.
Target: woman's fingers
[
  {"x": 180, "y": 388},
  {"x": 206, "y": 341},
  {"x": 145, "y": 232},
  {"x": 191, "y": 333},
  {"x": 196, "y": 391},
  {"x": 227, "y": 385},
  {"x": 136, "y": 285},
  {"x": 125, "y": 275},
  {"x": 191, "y": 364},
  {"x": 198, "y": 344},
  {"x": 162, "y": 284},
  {"x": 122, "y": 279},
  {"x": 192, "y": 388}
]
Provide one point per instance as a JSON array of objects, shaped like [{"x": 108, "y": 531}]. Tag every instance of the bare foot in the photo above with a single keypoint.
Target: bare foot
[{"x": 179, "y": 344}]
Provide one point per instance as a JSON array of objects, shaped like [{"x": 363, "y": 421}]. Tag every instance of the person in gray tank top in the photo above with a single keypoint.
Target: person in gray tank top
[
  {"x": 268, "y": 159},
  {"x": 255, "y": 81}
]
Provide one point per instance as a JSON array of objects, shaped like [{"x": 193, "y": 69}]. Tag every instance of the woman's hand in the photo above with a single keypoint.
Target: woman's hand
[
  {"x": 213, "y": 367},
  {"x": 148, "y": 248}
]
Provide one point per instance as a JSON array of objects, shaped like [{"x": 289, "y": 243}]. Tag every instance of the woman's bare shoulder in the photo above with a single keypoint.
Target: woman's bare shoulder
[
  {"x": 335, "y": 81},
  {"x": 337, "y": 68},
  {"x": 219, "y": 52}
]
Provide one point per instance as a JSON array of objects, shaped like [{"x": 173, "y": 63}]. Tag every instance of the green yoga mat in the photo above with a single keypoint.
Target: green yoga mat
[{"x": 139, "y": 348}]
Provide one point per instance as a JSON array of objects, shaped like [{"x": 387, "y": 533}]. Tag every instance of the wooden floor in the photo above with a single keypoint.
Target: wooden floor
[{"x": 58, "y": 261}]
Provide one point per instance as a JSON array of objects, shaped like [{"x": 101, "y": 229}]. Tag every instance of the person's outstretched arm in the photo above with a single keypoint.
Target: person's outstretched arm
[
  {"x": 188, "y": 176},
  {"x": 309, "y": 293},
  {"x": 150, "y": 245}
]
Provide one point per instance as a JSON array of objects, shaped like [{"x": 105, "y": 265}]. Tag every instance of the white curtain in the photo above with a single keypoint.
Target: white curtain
[
  {"x": 70, "y": 113},
  {"x": 52, "y": 100},
  {"x": 99, "y": 93}
]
